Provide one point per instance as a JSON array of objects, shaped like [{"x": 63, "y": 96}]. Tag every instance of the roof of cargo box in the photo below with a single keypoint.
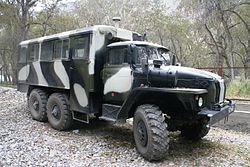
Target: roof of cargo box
[{"x": 66, "y": 34}]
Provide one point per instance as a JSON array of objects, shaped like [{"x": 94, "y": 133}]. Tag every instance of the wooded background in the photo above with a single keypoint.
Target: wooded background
[{"x": 201, "y": 33}]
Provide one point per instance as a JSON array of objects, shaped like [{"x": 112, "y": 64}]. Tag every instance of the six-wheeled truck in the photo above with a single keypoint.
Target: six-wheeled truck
[{"x": 110, "y": 73}]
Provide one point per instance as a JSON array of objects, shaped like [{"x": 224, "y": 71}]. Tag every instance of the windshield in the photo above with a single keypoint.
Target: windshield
[{"x": 152, "y": 53}]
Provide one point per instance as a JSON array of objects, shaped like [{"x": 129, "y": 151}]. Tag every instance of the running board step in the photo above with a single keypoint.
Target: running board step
[
  {"x": 81, "y": 117},
  {"x": 107, "y": 119},
  {"x": 109, "y": 112}
]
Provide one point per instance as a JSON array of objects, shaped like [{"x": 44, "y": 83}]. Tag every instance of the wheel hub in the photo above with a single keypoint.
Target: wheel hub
[
  {"x": 36, "y": 105},
  {"x": 142, "y": 133},
  {"x": 56, "y": 112}
]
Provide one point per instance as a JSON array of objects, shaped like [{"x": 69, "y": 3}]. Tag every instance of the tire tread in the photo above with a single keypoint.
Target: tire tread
[
  {"x": 67, "y": 119},
  {"x": 158, "y": 128},
  {"x": 42, "y": 117}
]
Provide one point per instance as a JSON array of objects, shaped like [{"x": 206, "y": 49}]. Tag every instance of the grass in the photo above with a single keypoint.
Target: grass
[
  {"x": 238, "y": 88},
  {"x": 7, "y": 84}
]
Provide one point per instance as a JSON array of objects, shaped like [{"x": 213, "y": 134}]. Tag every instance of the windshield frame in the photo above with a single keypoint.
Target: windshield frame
[{"x": 146, "y": 54}]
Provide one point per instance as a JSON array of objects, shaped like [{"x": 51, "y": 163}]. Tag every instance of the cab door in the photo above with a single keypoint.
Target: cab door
[{"x": 117, "y": 76}]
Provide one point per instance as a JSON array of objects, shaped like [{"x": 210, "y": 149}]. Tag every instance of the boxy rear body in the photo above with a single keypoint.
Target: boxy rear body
[{"x": 70, "y": 62}]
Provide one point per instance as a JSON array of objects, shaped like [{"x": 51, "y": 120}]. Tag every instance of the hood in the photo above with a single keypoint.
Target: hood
[
  {"x": 178, "y": 76},
  {"x": 190, "y": 73}
]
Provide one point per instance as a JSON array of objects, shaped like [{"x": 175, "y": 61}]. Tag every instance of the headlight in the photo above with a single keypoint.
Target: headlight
[{"x": 200, "y": 101}]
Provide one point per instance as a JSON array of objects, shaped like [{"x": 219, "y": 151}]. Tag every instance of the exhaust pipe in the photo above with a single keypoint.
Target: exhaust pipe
[{"x": 117, "y": 21}]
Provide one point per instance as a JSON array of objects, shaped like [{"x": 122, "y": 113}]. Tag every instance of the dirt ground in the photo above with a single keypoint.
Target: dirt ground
[
  {"x": 26, "y": 142},
  {"x": 239, "y": 120}
]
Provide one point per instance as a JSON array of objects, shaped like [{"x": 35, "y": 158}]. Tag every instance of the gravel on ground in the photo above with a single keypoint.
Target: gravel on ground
[{"x": 26, "y": 142}]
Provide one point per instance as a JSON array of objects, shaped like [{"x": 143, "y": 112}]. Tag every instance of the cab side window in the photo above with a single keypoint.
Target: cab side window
[
  {"x": 80, "y": 46},
  {"x": 117, "y": 56}
]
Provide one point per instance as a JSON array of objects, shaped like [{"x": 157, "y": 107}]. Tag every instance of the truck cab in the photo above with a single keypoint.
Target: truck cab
[{"x": 142, "y": 81}]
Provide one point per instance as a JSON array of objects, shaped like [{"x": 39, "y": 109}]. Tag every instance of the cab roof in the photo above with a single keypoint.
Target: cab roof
[{"x": 140, "y": 43}]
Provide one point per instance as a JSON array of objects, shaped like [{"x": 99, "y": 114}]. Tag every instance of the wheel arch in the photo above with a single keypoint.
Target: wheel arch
[
  {"x": 48, "y": 90},
  {"x": 164, "y": 100}
]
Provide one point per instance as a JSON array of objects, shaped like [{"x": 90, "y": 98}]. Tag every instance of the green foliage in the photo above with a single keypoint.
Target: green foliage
[
  {"x": 239, "y": 88},
  {"x": 182, "y": 31},
  {"x": 7, "y": 84}
]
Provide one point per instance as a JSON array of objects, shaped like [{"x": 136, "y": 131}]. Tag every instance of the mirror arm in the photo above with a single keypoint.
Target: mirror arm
[
  {"x": 174, "y": 60},
  {"x": 70, "y": 53}
]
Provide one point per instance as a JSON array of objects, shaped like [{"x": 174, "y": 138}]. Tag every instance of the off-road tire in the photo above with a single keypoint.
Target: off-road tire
[
  {"x": 37, "y": 102},
  {"x": 59, "y": 114},
  {"x": 195, "y": 131},
  {"x": 155, "y": 132}
]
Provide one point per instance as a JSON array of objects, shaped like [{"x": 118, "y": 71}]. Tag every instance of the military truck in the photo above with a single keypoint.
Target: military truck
[{"x": 111, "y": 74}]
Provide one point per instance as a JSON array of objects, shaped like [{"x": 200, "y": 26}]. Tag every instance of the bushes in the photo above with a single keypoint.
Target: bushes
[{"x": 238, "y": 88}]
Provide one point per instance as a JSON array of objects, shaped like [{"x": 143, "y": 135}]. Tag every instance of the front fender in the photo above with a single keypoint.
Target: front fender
[{"x": 174, "y": 98}]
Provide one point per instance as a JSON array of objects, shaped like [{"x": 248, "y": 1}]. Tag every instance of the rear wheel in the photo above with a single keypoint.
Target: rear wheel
[
  {"x": 150, "y": 132},
  {"x": 59, "y": 115},
  {"x": 195, "y": 131},
  {"x": 37, "y": 104}
]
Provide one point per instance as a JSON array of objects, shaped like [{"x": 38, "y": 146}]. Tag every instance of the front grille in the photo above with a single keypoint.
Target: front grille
[{"x": 220, "y": 91}]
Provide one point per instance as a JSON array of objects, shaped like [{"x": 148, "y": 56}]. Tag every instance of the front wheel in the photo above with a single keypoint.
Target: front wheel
[{"x": 150, "y": 132}]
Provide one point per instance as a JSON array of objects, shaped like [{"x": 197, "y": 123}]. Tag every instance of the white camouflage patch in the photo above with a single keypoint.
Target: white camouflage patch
[
  {"x": 97, "y": 44},
  {"x": 81, "y": 95},
  {"x": 24, "y": 73},
  {"x": 38, "y": 70},
  {"x": 119, "y": 82},
  {"x": 61, "y": 73}
]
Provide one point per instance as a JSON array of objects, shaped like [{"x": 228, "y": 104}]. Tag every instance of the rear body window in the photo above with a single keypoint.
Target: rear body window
[
  {"x": 57, "y": 49},
  {"x": 65, "y": 49},
  {"x": 33, "y": 53},
  {"x": 46, "y": 51},
  {"x": 23, "y": 55},
  {"x": 80, "y": 46}
]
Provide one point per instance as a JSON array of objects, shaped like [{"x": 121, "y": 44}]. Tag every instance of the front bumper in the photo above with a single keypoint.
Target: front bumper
[{"x": 218, "y": 114}]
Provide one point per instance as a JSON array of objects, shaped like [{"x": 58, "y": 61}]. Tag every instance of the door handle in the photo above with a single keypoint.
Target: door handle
[{"x": 108, "y": 75}]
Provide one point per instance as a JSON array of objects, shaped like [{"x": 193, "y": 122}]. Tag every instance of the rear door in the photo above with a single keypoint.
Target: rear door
[{"x": 79, "y": 73}]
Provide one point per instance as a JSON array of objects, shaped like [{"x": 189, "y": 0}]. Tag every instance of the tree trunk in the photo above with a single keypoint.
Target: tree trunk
[
  {"x": 248, "y": 58},
  {"x": 219, "y": 54},
  {"x": 229, "y": 39}
]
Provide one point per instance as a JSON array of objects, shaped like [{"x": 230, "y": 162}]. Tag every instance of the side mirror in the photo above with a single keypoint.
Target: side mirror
[
  {"x": 174, "y": 60},
  {"x": 132, "y": 54},
  {"x": 131, "y": 49},
  {"x": 71, "y": 53}
]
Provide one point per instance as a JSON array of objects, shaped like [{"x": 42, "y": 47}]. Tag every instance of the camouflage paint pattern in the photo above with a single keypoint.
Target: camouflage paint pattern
[{"x": 78, "y": 76}]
